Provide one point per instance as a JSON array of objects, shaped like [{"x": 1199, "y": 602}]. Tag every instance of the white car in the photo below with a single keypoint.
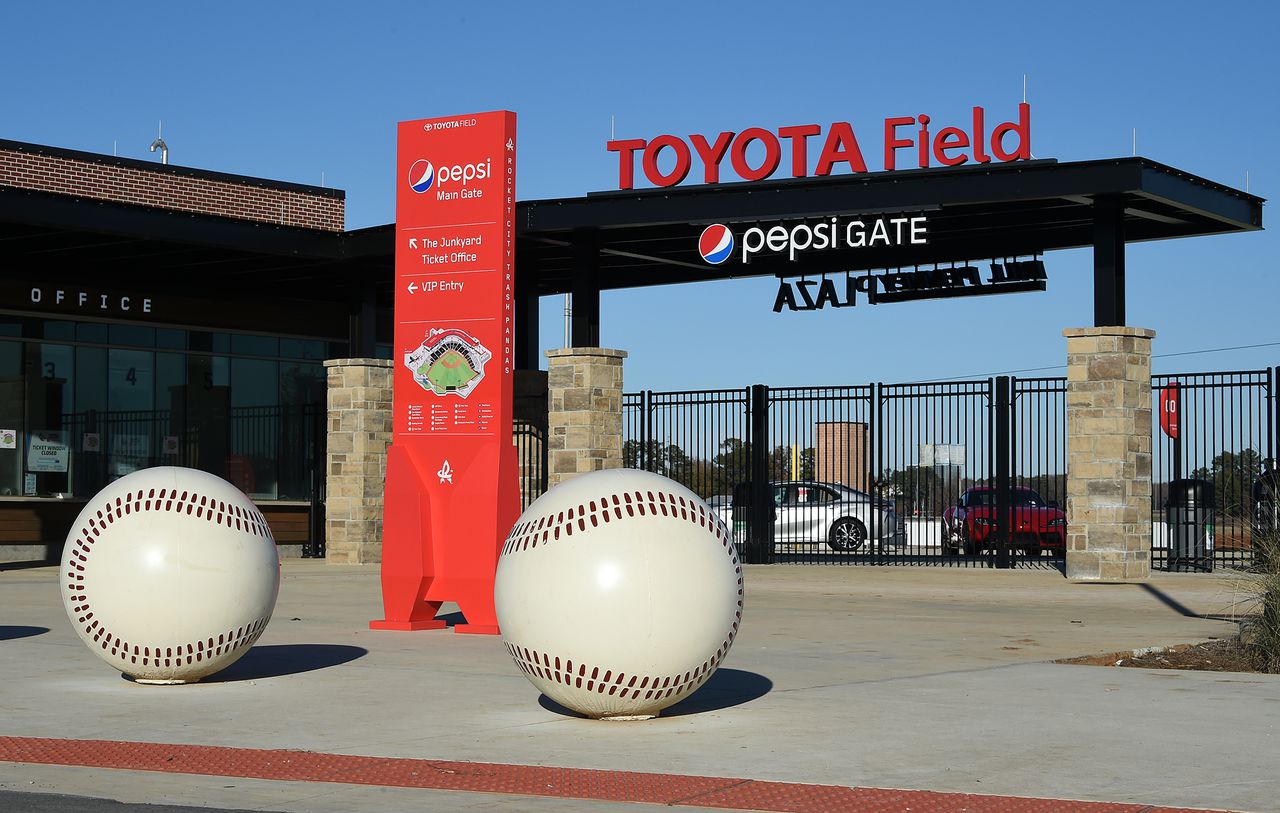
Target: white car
[{"x": 811, "y": 512}]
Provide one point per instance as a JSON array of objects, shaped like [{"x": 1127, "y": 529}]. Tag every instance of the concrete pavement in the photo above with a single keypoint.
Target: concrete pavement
[{"x": 920, "y": 678}]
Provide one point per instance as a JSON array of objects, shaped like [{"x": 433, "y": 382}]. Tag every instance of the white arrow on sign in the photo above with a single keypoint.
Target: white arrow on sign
[
  {"x": 413, "y": 242},
  {"x": 413, "y": 287}
]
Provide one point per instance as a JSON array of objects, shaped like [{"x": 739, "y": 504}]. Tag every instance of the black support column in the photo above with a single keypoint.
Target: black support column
[
  {"x": 526, "y": 329},
  {"x": 1108, "y": 261},
  {"x": 362, "y": 332},
  {"x": 759, "y": 547},
  {"x": 1003, "y": 536},
  {"x": 585, "y": 331}
]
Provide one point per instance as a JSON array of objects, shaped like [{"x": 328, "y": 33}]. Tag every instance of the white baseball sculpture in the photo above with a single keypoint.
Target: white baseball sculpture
[
  {"x": 618, "y": 593},
  {"x": 170, "y": 574}
]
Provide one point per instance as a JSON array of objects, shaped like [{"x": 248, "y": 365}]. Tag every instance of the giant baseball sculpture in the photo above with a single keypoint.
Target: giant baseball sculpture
[
  {"x": 618, "y": 593},
  {"x": 170, "y": 574}
]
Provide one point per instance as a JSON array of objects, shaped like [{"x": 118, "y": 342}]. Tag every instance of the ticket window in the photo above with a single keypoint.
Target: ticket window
[
  {"x": 134, "y": 439},
  {"x": 46, "y": 437}
]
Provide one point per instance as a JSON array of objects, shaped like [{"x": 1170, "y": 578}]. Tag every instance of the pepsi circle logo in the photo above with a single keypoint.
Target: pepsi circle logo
[
  {"x": 716, "y": 243},
  {"x": 421, "y": 175}
]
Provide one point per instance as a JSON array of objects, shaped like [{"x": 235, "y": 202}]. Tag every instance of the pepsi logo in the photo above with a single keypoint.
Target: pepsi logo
[
  {"x": 421, "y": 175},
  {"x": 716, "y": 243}
]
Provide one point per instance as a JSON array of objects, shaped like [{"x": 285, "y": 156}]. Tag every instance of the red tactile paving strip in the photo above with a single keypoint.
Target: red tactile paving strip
[{"x": 527, "y": 780}]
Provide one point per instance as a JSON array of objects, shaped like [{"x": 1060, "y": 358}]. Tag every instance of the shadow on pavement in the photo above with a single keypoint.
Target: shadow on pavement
[
  {"x": 8, "y": 633},
  {"x": 286, "y": 659},
  {"x": 725, "y": 688},
  {"x": 26, "y": 565},
  {"x": 60, "y": 803},
  {"x": 1182, "y": 609}
]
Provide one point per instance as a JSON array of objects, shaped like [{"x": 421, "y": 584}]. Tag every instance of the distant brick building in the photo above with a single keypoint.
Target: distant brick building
[{"x": 840, "y": 453}]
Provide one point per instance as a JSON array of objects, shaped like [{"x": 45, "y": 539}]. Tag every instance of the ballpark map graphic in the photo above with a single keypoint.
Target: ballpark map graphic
[{"x": 448, "y": 361}]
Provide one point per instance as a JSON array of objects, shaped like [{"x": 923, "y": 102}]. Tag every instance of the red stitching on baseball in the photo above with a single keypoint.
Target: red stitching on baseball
[{"x": 527, "y": 535}]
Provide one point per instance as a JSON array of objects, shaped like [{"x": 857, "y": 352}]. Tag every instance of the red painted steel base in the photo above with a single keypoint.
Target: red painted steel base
[
  {"x": 477, "y": 629},
  {"x": 420, "y": 569},
  {"x": 407, "y": 626},
  {"x": 674, "y": 790}
]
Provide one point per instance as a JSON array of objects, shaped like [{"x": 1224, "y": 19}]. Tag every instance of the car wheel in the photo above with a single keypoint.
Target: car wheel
[
  {"x": 950, "y": 542},
  {"x": 847, "y": 534},
  {"x": 971, "y": 547}
]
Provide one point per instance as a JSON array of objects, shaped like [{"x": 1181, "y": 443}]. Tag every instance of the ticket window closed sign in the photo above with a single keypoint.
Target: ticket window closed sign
[{"x": 47, "y": 452}]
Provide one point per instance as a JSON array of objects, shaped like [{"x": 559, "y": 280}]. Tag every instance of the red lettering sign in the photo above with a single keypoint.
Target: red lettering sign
[
  {"x": 946, "y": 147},
  {"x": 452, "y": 492},
  {"x": 1169, "y": 401}
]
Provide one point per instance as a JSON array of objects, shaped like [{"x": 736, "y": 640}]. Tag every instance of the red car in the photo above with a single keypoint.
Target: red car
[{"x": 1038, "y": 524}]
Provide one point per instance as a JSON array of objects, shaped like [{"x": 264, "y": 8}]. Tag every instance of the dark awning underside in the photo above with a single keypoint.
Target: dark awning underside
[{"x": 643, "y": 237}]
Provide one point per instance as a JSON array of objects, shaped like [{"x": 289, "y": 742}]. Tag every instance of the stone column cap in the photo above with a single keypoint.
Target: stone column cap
[
  {"x": 1109, "y": 330},
  {"x": 358, "y": 363},
  {"x": 569, "y": 352}
]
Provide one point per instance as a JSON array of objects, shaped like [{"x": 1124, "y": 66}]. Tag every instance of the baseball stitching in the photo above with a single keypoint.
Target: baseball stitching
[
  {"x": 531, "y": 533},
  {"x": 218, "y": 512}
]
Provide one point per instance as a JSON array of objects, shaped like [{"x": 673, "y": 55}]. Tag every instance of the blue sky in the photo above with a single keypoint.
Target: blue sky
[{"x": 295, "y": 90}]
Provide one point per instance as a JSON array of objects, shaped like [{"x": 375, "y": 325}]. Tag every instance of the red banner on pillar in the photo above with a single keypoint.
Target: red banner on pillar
[{"x": 452, "y": 490}]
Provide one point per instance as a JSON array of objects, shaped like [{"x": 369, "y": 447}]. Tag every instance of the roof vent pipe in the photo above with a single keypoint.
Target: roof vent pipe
[{"x": 159, "y": 144}]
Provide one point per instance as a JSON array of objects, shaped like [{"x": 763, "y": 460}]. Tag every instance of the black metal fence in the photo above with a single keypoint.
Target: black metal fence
[
  {"x": 531, "y": 449},
  {"x": 962, "y": 473},
  {"x": 270, "y": 453},
  {"x": 1225, "y": 433}
]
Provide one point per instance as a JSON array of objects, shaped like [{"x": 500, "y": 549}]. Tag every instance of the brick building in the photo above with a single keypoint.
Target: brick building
[{"x": 160, "y": 315}]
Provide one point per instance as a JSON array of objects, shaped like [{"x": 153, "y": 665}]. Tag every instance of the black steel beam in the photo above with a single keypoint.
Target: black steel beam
[
  {"x": 585, "y": 329},
  {"x": 1201, "y": 197},
  {"x": 904, "y": 190},
  {"x": 1108, "y": 261}
]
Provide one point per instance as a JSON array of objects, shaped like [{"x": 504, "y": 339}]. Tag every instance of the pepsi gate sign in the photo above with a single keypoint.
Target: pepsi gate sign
[
  {"x": 948, "y": 146},
  {"x": 791, "y": 240},
  {"x": 716, "y": 243},
  {"x": 452, "y": 488}
]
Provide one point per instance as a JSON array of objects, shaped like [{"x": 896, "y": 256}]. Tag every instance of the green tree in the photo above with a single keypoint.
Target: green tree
[
  {"x": 669, "y": 460},
  {"x": 808, "y": 464},
  {"x": 1232, "y": 475},
  {"x": 923, "y": 490},
  {"x": 650, "y": 455},
  {"x": 733, "y": 461}
]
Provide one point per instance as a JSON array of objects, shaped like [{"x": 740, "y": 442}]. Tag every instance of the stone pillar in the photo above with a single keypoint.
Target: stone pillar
[
  {"x": 1108, "y": 453},
  {"x": 584, "y": 412},
  {"x": 359, "y": 431}
]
